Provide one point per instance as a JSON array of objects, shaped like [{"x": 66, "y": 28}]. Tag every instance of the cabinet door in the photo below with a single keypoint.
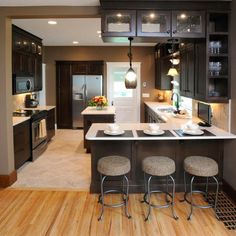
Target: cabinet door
[
  {"x": 51, "y": 124},
  {"x": 200, "y": 71},
  {"x": 16, "y": 63},
  {"x": 22, "y": 147},
  {"x": 38, "y": 82},
  {"x": 64, "y": 96},
  {"x": 119, "y": 23},
  {"x": 187, "y": 70},
  {"x": 80, "y": 68},
  {"x": 154, "y": 23},
  {"x": 188, "y": 24},
  {"x": 95, "y": 68}
]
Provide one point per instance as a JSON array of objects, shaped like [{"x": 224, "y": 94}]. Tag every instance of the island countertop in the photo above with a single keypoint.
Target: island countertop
[
  {"x": 109, "y": 110},
  {"x": 171, "y": 126}
]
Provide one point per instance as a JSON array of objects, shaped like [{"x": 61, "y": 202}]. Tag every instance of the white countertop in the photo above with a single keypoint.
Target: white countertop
[
  {"x": 219, "y": 133},
  {"x": 17, "y": 120},
  {"x": 109, "y": 110},
  {"x": 172, "y": 123},
  {"x": 48, "y": 108}
]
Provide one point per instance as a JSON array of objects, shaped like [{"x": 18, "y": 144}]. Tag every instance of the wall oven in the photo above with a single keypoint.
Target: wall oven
[{"x": 23, "y": 85}]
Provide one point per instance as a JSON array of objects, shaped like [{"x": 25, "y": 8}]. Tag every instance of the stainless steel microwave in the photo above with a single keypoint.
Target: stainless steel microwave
[{"x": 23, "y": 84}]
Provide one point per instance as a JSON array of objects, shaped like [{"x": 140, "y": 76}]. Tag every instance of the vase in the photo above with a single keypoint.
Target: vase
[{"x": 99, "y": 107}]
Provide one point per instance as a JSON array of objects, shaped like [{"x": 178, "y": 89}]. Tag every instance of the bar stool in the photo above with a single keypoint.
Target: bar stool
[
  {"x": 200, "y": 166},
  {"x": 114, "y": 166},
  {"x": 158, "y": 166}
]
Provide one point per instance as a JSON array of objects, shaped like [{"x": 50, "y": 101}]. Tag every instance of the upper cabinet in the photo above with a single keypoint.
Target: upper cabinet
[
  {"x": 27, "y": 56},
  {"x": 188, "y": 24},
  {"x": 154, "y": 23},
  {"x": 118, "y": 23},
  {"x": 177, "y": 24}
]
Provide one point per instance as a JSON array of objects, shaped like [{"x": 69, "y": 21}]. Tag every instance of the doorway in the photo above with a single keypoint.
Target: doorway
[{"x": 126, "y": 101}]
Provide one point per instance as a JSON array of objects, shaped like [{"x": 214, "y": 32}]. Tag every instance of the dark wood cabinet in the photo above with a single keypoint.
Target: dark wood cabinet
[
  {"x": 27, "y": 56},
  {"x": 118, "y": 23},
  {"x": 22, "y": 143},
  {"x": 64, "y": 72},
  {"x": 187, "y": 61},
  {"x": 50, "y": 124},
  {"x": 90, "y": 119},
  {"x": 162, "y": 65},
  {"x": 64, "y": 95},
  {"x": 151, "y": 116}
]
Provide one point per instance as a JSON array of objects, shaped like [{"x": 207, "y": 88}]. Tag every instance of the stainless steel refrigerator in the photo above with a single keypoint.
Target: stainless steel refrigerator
[{"x": 84, "y": 87}]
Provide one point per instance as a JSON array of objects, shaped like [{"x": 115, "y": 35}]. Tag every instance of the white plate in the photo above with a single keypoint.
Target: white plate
[
  {"x": 193, "y": 132},
  {"x": 158, "y": 132},
  {"x": 117, "y": 132}
]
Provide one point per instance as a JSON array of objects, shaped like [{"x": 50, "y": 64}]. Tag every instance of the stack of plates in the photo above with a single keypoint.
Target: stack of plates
[
  {"x": 193, "y": 131},
  {"x": 153, "y": 132},
  {"x": 114, "y": 132}
]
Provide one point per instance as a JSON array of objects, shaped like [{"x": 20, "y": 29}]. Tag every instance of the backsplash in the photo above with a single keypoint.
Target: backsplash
[
  {"x": 18, "y": 101},
  {"x": 220, "y": 114}
]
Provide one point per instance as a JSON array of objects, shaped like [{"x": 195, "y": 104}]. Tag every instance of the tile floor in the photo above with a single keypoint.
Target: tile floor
[{"x": 64, "y": 164}]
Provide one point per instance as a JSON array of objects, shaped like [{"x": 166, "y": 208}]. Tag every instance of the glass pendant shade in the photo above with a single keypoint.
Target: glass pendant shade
[
  {"x": 130, "y": 79},
  {"x": 172, "y": 72},
  {"x": 130, "y": 76}
]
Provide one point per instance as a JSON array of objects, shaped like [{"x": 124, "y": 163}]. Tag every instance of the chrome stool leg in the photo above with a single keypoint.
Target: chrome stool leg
[
  {"x": 149, "y": 198},
  {"x": 216, "y": 197},
  {"x": 101, "y": 197},
  {"x": 126, "y": 197},
  {"x": 207, "y": 182},
  {"x": 167, "y": 182},
  {"x": 191, "y": 197},
  {"x": 173, "y": 199}
]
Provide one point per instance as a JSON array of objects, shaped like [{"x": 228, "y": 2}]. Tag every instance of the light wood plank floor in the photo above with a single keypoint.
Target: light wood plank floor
[{"x": 71, "y": 213}]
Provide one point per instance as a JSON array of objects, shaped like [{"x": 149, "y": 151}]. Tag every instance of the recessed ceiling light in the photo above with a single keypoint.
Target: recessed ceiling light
[
  {"x": 119, "y": 15},
  {"x": 75, "y": 42},
  {"x": 99, "y": 31},
  {"x": 152, "y": 15},
  {"x": 52, "y": 22}
]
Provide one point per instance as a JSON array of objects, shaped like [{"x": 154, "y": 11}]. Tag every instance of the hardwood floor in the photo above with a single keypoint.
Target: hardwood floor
[{"x": 47, "y": 212}]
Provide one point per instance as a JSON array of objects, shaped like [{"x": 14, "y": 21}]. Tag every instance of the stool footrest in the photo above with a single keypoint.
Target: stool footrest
[{"x": 154, "y": 205}]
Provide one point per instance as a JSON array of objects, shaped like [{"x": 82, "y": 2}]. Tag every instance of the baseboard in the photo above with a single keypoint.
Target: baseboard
[
  {"x": 229, "y": 190},
  {"x": 8, "y": 180}
]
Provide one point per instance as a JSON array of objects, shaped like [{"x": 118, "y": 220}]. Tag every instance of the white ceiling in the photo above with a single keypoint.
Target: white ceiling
[
  {"x": 83, "y": 30},
  {"x": 49, "y": 3}
]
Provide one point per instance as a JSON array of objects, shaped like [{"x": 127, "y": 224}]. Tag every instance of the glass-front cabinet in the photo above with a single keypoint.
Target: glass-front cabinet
[
  {"x": 154, "y": 23},
  {"x": 188, "y": 24},
  {"x": 119, "y": 23}
]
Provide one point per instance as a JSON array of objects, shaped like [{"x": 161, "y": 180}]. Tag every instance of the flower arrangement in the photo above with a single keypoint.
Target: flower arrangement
[{"x": 98, "y": 101}]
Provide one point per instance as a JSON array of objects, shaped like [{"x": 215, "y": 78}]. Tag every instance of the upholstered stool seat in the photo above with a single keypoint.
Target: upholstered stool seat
[
  {"x": 113, "y": 165},
  {"x": 158, "y": 166},
  {"x": 204, "y": 167},
  {"x": 201, "y": 166}
]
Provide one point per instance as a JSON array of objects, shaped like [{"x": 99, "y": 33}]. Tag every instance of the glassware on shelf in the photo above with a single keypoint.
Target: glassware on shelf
[
  {"x": 215, "y": 68},
  {"x": 215, "y": 47}
]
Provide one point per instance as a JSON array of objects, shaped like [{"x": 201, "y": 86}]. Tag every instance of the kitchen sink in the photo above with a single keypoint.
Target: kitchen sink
[{"x": 166, "y": 109}]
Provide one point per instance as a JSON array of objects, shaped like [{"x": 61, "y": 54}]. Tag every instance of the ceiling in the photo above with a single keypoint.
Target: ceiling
[
  {"x": 83, "y": 30},
  {"x": 49, "y": 3}
]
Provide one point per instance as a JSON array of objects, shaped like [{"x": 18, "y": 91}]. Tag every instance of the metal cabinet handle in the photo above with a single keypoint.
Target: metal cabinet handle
[
  {"x": 168, "y": 31},
  {"x": 174, "y": 31}
]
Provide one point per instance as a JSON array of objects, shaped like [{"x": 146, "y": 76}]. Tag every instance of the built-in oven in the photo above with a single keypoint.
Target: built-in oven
[
  {"x": 38, "y": 134},
  {"x": 23, "y": 84}
]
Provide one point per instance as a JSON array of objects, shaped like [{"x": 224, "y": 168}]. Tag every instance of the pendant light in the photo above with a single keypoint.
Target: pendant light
[
  {"x": 130, "y": 76},
  {"x": 172, "y": 71}
]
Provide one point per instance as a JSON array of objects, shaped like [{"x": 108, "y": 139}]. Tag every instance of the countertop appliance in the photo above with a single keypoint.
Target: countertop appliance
[
  {"x": 30, "y": 102},
  {"x": 23, "y": 84},
  {"x": 38, "y": 130},
  {"x": 84, "y": 88}
]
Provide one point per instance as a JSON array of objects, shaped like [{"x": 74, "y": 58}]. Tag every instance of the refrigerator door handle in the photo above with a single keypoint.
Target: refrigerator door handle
[{"x": 86, "y": 94}]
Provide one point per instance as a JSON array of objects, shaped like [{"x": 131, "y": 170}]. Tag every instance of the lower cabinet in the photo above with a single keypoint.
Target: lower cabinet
[
  {"x": 51, "y": 124},
  {"x": 151, "y": 116},
  {"x": 90, "y": 119},
  {"x": 22, "y": 143}
]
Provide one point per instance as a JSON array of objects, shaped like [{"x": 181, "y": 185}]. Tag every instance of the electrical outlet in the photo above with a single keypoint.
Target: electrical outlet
[
  {"x": 144, "y": 84},
  {"x": 146, "y": 95}
]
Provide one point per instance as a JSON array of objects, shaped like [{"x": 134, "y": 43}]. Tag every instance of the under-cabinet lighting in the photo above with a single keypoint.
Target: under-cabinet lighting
[
  {"x": 99, "y": 32},
  {"x": 75, "y": 42},
  {"x": 52, "y": 22}
]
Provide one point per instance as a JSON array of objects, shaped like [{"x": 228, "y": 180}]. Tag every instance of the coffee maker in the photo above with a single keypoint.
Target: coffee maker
[{"x": 31, "y": 101}]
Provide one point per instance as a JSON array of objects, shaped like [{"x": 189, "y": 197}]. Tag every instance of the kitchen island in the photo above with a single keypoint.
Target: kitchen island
[
  {"x": 135, "y": 145},
  {"x": 92, "y": 115}
]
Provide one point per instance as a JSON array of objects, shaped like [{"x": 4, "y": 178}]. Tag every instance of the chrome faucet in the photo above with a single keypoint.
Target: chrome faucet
[{"x": 177, "y": 100}]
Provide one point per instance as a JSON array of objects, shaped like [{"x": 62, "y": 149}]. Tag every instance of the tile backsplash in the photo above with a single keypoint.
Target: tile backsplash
[{"x": 18, "y": 101}]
